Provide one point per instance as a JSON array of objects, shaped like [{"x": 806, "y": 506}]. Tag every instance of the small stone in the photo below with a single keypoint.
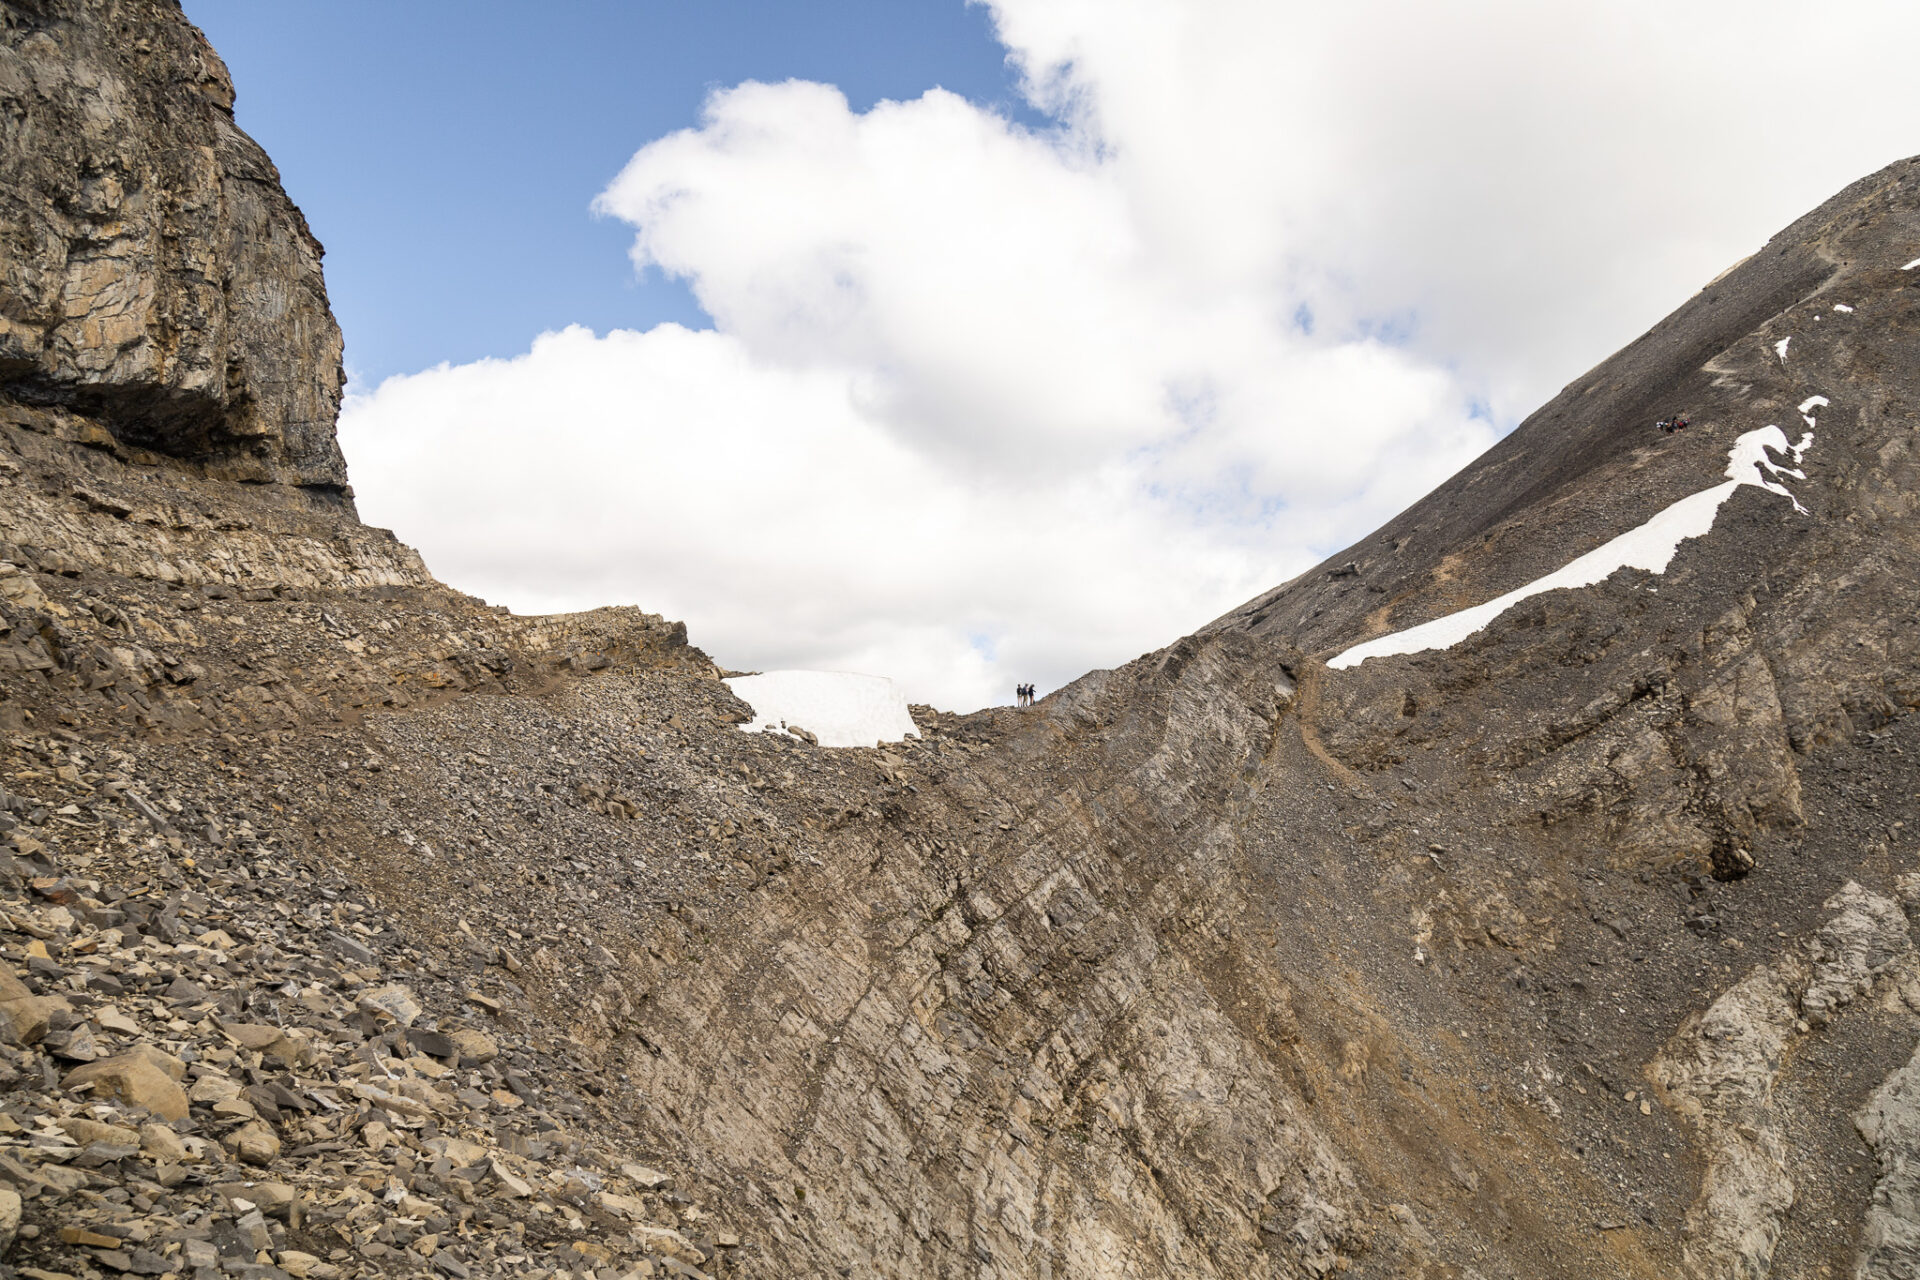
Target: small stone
[
  {"x": 627, "y": 1206},
  {"x": 253, "y": 1035},
  {"x": 85, "y": 1131},
  {"x": 110, "y": 1019},
  {"x": 269, "y": 1198},
  {"x": 668, "y": 1243},
  {"x": 461, "y": 1153},
  {"x": 510, "y": 1186},
  {"x": 88, "y": 1239},
  {"x": 9, "y": 1217},
  {"x": 644, "y": 1178},
  {"x": 184, "y": 991},
  {"x": 80, "y": 1045},
  {"x": 396, "y": 1001},
  {"x": 475, "y": 1047},
  {"x": 166, "y": 1062},
  {"x": 24, "y": 1016},
  {"x": 256, "y": 1143},
  {"x": 433, "y": 1043},
  {"x": 253, "y": 1231}
]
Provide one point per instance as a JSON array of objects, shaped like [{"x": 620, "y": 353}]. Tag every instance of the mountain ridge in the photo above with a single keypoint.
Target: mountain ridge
[{"x": 355, "y": 927}]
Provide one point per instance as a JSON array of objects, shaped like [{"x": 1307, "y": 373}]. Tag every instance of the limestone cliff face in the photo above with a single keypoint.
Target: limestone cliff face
[
  {"x": 153, "y": 275},
  {"x": 1582, "y": 948}
]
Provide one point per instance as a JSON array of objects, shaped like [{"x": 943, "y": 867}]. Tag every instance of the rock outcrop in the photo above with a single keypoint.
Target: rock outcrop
[
  {"x": 154, "y": 277},
  {"x": 355, "y": 927}
]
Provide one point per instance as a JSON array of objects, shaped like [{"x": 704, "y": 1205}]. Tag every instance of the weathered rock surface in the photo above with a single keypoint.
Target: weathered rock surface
[
  {"x": 154, "y": 276},
  {"x": 483, "y": 945}
]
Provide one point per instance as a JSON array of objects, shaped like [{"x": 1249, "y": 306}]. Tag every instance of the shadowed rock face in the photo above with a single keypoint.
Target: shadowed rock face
[
  {"x": 153, "y": 275},
  {"x": 1581, "y": 948}
]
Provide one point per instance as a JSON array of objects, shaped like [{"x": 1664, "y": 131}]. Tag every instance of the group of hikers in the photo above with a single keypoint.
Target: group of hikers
[
  {"x": 1678, "y": 422},
  {"x": 1023, "y": 695}
]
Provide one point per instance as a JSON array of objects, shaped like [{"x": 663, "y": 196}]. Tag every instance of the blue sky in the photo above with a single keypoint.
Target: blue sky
[{"x": 446, "y": 152}]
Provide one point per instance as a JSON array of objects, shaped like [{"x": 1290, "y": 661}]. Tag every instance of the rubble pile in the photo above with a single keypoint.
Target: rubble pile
[{"x": 233, "y": 1062}]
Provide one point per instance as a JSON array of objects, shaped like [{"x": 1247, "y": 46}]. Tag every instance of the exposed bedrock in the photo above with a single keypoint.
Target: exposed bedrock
[{"x": 153, "y": 275}]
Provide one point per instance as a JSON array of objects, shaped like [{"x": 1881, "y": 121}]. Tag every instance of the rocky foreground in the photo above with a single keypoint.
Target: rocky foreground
[{"x": 355, "y": 927}]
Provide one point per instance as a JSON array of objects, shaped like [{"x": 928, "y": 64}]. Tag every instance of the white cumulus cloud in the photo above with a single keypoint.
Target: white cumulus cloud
[{"x": 985, "y": 404}]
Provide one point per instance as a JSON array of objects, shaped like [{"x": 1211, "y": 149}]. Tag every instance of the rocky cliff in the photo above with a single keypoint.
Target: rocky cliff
[
  {"x": 155, "y": 277},
  {"x": 354, "y": 927}
]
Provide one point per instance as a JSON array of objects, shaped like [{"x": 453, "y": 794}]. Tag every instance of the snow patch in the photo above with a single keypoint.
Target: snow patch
[
  {"x": 1651, "y": 546},
  {"x": 839, "y": 708},
  {"x": 1807, "y": 407},
  {"x": 1911, "y": 265},
  {"x": 1843, "y": 307},
  {"x": 1780, "y": 348}
]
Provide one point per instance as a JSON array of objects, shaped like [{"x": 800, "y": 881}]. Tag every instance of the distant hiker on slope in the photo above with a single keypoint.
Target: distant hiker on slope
[{"x": 1678, "y": 422}]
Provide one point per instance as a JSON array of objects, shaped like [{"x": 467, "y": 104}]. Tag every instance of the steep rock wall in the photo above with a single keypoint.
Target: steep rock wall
[{"x": 153, "y": 275}]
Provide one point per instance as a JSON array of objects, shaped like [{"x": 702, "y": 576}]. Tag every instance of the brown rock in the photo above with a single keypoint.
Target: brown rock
[
  {"x": 461, "y": 1152},
  {"x": 133, "y": 1079},
  {"x": 254, "y": 1142},
  {"x": 395, "y": 1001},
  {"x": 23, "y": 1015},
  {"x": 162, "y": 1143},
  {"x": 646, "y": 1179},
  {"x": 253, "y": 1035},
  {"x": 172, "y": 1067},
  {"x": 271, "y": 1198},
  {"x": 510, "y": 1186},
  {"x": 84, "y": 1131},
  {"x": 475, "y": 1047}
]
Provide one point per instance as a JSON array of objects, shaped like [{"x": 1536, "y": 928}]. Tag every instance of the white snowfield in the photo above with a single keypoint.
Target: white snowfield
[
  {"x": 1650, "y": 546},
  {"x": 1911, "y": 265},
  {"x": 839, "y": 708},
  {"x": 1780, "y": 348}
]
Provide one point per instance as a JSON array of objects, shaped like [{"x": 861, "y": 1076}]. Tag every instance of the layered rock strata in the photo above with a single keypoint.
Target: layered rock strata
[{"x": 356, "y": 927}]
